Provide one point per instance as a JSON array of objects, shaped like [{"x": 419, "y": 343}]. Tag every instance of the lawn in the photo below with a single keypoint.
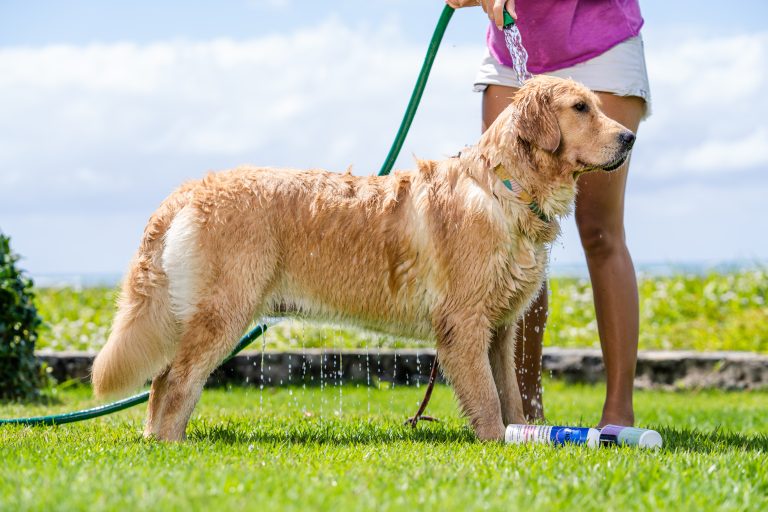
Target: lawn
[
  {"x": 344, "y": 448},
  {"x": 717, "y": 311}
]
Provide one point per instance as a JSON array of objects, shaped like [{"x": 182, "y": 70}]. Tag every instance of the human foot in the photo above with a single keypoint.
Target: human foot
[{"x": 624, "y": 419}]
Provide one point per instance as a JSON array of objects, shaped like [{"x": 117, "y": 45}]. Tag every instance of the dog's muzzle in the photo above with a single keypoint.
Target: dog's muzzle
[{"x": 626, "y": 141}]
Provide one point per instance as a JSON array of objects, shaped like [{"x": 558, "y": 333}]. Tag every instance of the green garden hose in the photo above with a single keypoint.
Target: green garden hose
[
  {"x": 87, "y": 414},
  {"x": 410, "y": 113},
  {"x": 418, "y": 90}
]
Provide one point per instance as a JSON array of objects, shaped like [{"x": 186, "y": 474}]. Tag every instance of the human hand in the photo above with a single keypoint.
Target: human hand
[{"x": 494, "y": 8}]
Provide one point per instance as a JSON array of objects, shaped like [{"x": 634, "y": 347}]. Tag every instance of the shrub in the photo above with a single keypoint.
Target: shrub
[{"x": 20, "y": 372}]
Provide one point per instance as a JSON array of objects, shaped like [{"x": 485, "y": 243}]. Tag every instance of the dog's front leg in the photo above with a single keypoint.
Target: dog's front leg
[
  {"x": 462, "y": 347},
  {"x": 502, "y": 356}
]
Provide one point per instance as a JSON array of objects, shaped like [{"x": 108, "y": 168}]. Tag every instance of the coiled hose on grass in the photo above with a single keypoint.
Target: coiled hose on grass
[{"x": 394, "y": 151}]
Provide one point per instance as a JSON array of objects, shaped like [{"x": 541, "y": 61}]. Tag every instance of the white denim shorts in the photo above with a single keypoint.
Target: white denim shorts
[{"x": 620, "y": 70}]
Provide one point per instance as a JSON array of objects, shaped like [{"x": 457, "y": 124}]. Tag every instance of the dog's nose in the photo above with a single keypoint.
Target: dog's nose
[{"x": 627, "y": 138}]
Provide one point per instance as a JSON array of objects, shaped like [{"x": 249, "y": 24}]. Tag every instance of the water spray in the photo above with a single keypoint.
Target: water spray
[{"x": 517, "y": 51}]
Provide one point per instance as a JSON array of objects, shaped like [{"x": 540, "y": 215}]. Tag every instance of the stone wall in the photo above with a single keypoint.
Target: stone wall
[{"x": 664, "y": 370}]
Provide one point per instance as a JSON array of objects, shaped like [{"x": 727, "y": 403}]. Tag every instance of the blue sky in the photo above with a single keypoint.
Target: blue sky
[{"x": 105, "y": 107}]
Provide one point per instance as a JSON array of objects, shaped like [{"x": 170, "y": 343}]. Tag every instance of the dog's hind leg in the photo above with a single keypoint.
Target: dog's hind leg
[
  {"x": 462, "y": 347},
  {"x": 209, "y": 336},
  {"x": 232, "y": 293},
  {"x": 156, "y": 394},
  {"x": 502, "y": 356}
]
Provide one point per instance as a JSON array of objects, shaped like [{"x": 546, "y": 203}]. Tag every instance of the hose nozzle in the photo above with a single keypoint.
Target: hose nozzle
[{"x": 508, "y": 19}]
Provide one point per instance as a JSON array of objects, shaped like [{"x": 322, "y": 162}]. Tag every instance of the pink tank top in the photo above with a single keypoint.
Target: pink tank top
[{"x": 560, "y": 33}]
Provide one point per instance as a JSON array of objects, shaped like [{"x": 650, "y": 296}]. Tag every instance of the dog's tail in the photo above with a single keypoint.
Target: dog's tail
[{"x": 145, "y": 330}]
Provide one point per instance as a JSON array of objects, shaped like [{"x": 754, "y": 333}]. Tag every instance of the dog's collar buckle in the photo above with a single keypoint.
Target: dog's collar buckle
[{"x": 526, "y": 197}]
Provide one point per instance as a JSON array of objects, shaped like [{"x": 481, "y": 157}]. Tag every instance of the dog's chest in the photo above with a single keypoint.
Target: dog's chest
[{"x": 520, "y": 279}]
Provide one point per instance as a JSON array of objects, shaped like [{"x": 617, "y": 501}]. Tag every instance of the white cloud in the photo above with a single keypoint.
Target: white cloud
[
  {"x": 733, "y": 67},
  {"x": 728, "y": 155},
  {"x": 715, "y": 156},
  {"x": 99, "y": 132},
  {"x": 325, "y": 97},
  {"x": 710, "y": 107}
]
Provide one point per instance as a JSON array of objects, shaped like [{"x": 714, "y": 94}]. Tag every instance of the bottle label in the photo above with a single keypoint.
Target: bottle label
[
  {"x": 543, "y": 434},
  {"x": 631, "y": 436},
  {"x": 562, "y": 435},
  {"x": 519, "y": 434}
]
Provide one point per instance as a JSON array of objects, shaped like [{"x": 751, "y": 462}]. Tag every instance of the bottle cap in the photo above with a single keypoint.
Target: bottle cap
[
  {"x": 630, "y": 436},
  {"x": 593, "y": 438},
  {"x": 650, "y": 439}
]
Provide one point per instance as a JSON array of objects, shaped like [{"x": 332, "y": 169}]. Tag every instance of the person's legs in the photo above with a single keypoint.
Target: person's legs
[
  {"x": 530, "y": 332},
  {"x": 600, "y": 219},
  {"x": 530, "y": 339}
]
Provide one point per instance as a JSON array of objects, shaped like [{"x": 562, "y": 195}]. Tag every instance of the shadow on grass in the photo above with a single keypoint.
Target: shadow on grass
[
  {"x": 336, "y": 433},
  {"x": 346, "y": 433},
  {"x": 693, "y": 440}
]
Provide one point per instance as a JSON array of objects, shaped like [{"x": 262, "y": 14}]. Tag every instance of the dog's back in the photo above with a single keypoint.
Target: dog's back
[{"x": 381, "y": 252}]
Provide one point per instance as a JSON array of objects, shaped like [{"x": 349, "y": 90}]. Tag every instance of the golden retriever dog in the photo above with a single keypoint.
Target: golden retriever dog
[{"x": 453, "y": 251}]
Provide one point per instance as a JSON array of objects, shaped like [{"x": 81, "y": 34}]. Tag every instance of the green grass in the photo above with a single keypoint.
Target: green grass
[
  {"x": 711, "y": 312},
  {"x": 75, "y": 319},
  {"x": 307, "y": 449}
]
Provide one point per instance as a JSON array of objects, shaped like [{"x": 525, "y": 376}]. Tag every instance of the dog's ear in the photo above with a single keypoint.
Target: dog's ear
[{"x": 536, "y": 122}]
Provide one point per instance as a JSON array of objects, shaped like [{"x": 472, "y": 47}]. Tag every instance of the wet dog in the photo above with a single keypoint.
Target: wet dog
[{"x": 453, "y": 251}]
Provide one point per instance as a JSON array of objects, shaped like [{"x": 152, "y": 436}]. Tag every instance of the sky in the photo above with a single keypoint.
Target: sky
[{"x": 106, "y": 107}]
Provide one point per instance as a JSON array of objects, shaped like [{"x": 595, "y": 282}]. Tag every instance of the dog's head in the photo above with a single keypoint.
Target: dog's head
[{"x": 564, "y": 118}]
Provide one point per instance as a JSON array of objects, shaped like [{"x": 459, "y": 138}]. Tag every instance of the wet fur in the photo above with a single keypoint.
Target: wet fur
[{"x": 444, "y": 252}]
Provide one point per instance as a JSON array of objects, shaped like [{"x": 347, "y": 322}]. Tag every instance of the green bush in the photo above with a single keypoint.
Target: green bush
[{"x": 20, "y": 372}]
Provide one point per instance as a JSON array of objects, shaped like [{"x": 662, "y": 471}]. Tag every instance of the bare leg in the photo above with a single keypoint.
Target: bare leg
[
  {"x": 600, "y": 219},
  {"x": 530, "y": 338}
]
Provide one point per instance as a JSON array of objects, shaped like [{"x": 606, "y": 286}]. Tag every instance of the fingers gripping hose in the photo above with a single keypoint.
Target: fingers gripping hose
[{"x": 410, "y": 113}]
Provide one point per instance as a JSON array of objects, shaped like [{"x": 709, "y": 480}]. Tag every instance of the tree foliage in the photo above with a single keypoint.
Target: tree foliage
[{"x": 20, "y": 371}]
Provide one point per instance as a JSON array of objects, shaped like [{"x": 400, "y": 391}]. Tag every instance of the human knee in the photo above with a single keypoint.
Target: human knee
[{"x": 599, "y": 240}]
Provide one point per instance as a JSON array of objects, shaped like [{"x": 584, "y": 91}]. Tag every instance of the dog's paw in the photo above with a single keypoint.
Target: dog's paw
[{"x": 493, "y": 432}]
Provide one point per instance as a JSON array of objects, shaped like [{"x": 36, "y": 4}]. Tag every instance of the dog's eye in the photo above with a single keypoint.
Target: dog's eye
[{"x": 581, "y": 107}]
